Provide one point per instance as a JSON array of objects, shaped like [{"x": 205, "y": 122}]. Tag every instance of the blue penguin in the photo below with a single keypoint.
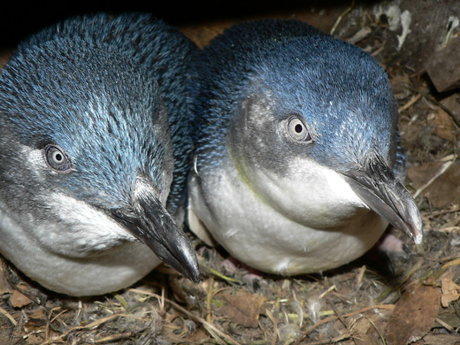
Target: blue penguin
[
  {"x": 94, "y": 151},
  {"x": 297, "y": 166}
]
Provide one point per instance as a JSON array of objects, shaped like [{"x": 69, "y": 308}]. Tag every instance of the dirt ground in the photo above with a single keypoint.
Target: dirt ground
[{"x": 412, "y": 297}]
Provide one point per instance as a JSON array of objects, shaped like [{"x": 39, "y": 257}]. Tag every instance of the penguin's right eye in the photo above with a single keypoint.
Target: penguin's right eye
[
  {"x": 57, "y": 159},
  {"x": 297, "y": 130}
]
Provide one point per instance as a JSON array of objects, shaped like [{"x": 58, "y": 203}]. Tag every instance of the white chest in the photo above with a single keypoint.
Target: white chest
[
  {"x": 94, "y": 265},
  {"x": 288, "y": 228}
]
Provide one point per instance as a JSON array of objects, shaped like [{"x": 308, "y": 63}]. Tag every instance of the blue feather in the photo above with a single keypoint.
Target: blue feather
[{"x": 309, "y": 73}]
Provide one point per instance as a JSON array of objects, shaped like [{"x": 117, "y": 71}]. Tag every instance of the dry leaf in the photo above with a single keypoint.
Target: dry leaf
[
  {"x": 445, "y": 189},
  {"x": 442, "y": 125},
  {"x": 450, "y": 290},
  {"x": 413, "y": 315},
  {"x": 242, "y": 307},
  {"x": 201, "y": 34},
  {"x": 453, "y": 104},
  {"x": 441, "y": 339},
  {"x": 421, "y": 174},
  {"x": 34, "y": 339},
  {"x": 442, "y": 191},
  {"x": 37, "y": 319},
  {"x": 18, "y": 300},
  {"x": 364, "y": 333},
  {"x": 38, "y": 313}
]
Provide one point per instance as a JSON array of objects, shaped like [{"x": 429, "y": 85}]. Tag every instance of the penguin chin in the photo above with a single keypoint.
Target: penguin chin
[
  {"x": 309, "y": 194},
  {"x": 77, "y": 271},
  {"x": 78, "y": 230}
]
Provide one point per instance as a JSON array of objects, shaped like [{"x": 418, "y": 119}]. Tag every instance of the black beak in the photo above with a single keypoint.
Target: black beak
[
  {"x": 378, "y": 187},
  {"x": 151, "y": 223}
]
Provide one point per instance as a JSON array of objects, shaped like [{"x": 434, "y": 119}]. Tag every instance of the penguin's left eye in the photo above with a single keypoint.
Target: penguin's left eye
[
  {"x": 297, "y": 130},
  {"x": 57, "y": 159}
]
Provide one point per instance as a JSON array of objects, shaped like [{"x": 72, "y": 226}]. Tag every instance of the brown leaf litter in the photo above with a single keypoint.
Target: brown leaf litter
[{"x": 414, "y": 314}]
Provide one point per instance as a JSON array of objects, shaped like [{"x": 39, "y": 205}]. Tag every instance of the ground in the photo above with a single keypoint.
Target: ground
[{"x": 412, "y": 296}]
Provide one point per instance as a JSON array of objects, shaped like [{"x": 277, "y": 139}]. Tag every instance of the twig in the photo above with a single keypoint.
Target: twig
[
  {"x": 300, "y": 310},
  {"x": 432, "y": 278},
  {"x": 441, "y": 171},
  {"x": 209, "y": 297},
  {"x": 334, "y": 318},
  {"x": 378, "y": 51},
  {"x": 344, "y": 323},
  {"x": 452, "y": 263},
  {"x": 361, "y": 34},
  {"x": 409, "y": 103},
  {"x": 449, "y": 229},
  {"x": 382, "y": 338},
  {"x": 339, "y": 19},
  {"x": 8, "y": 316},
  {"x": 449, "y": 258},
  {"x": 445, "y": 325},
  {"x": 331, "y": 288},
  {"x": 276, "y": 333},
  {"x": 213, "y": 330},
  {"x": 450, "y": 157},
  {"x": 113, "y": 337},
  {"x": 48, "y": 321},
  {"x": 360, "y": 276},
  {"x": 219, "y": 275},
  {"x": 121, "y": 300},
  {"x": 161, "y": 301},
  {"x": 91, "y": 325},
  {"x": 442, "y": 212},
  {"x": 57, "y": 315},
  {"x": 331, "y": 341}
]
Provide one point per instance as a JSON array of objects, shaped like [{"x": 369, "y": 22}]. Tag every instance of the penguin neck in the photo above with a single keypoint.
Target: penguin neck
[
  {"x": 265, "y": 237},
  {"x": 115, "y": 265},
  {"x": 307, "y": 193}
]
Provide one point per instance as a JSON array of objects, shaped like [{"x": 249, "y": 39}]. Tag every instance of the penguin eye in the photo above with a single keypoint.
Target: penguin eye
[
  {"x": 297, "y": 130},
  {"x": 57, "y": 159}
]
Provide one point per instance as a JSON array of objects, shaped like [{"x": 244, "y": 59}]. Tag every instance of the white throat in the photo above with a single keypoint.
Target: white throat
[
  {"x": 310, "y": 222},
  {"x": 86, "y": 253},
  {"x": 308, "y": 193}
]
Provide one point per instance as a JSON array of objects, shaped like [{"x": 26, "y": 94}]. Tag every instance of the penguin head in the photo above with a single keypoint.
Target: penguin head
[
  {"x": 86, "y": 152},
  {"x": 315, "y": 135}
]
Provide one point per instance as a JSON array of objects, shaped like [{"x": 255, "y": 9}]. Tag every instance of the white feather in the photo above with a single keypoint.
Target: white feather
[{"x": 311, "y": 222}]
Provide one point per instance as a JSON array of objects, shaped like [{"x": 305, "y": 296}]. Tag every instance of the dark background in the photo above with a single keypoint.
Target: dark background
[{"x": 19, "y": 19}]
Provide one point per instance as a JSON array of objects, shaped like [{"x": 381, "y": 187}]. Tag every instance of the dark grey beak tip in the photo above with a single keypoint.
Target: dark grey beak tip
[
  {"x": 152, "y": 224},
  {"x": 188, "y": 270},
  {"x": 193, "y": 274},
  {"x": 183, "y": 260},
  {"x": 382, "y": 192},
  {"x": 415, "y": 226}
]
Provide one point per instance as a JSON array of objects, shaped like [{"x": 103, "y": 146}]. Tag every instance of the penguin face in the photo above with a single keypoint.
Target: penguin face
[
  {"x": 83, "y": 125},
  {"x": 307, "y": 123}
]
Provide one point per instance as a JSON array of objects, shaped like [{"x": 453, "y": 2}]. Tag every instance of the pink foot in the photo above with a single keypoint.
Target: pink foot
[{"x": 390, "y": 244}]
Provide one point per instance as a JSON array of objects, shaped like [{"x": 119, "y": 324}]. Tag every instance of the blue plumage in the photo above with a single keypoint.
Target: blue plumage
[
  {"x": 299, "y": 65},
  {"x": 95, "y": 143},
  {"x": 296, "y": 140},
  {"x": 161, "y": 50}
]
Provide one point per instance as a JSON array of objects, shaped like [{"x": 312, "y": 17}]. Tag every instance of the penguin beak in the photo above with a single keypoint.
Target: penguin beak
[
  {"x": 151, "y": 223},
  {"x": 376, "y": 184}
]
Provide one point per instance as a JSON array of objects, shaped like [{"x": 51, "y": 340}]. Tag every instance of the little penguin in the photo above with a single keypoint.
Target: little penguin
[
  {"x": 298, "y": 166},
  {"x": 94, "y": 153}
]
